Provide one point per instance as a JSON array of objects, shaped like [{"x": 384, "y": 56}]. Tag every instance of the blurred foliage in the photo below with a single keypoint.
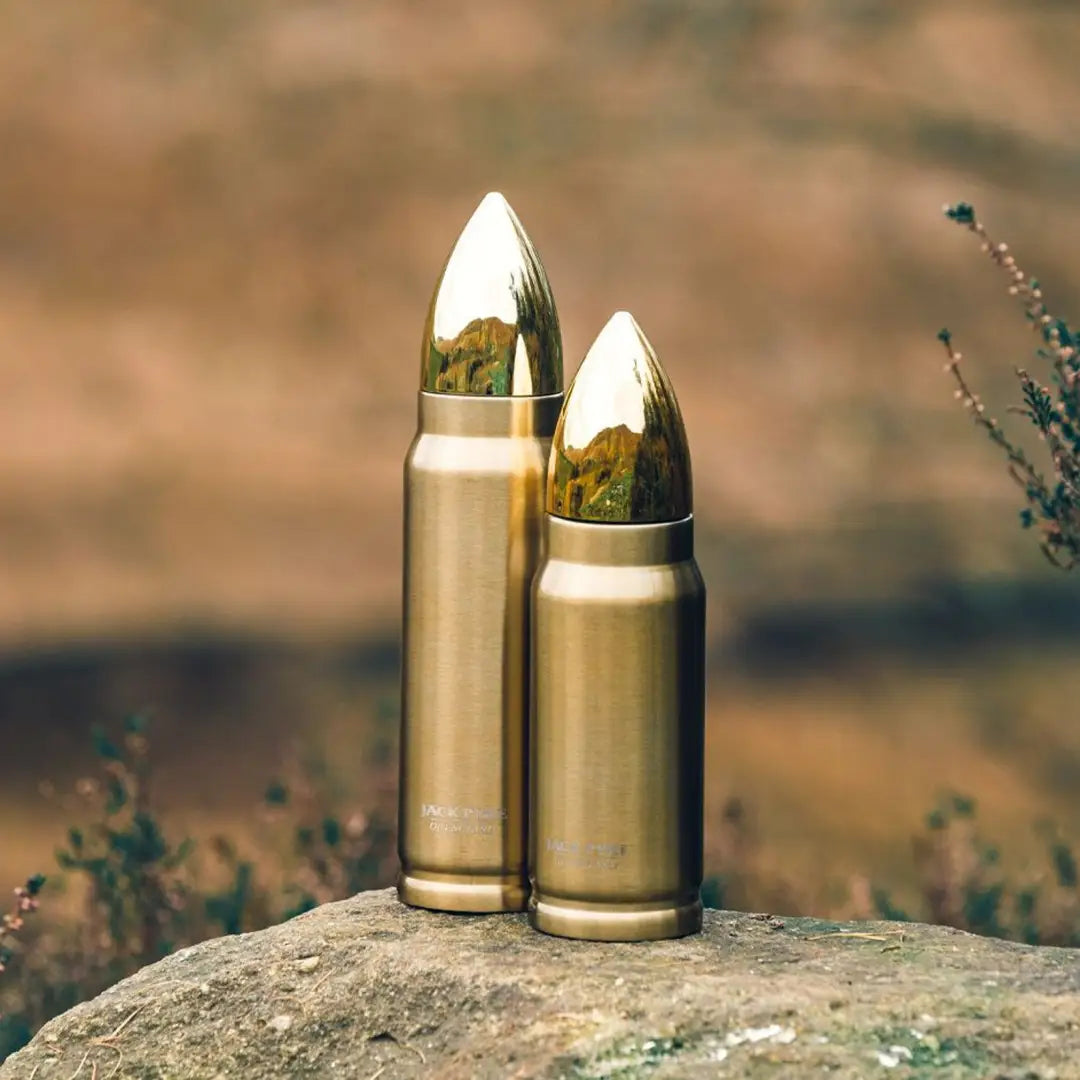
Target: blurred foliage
[
  {"x": 963, "y": 883},
  {"x": 146, "y": 894}
]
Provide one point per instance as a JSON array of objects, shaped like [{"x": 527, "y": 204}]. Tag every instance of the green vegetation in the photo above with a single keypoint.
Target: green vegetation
[
  {"x": 1054, "y": 502},
  {"x": 962, "y": 881},
  {"x": 143, "y": 894}
]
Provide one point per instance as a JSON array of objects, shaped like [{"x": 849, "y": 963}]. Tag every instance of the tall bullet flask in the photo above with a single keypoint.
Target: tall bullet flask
[
  {"x": 491, "y": 390},
  {"x": 619, "y": 608}
]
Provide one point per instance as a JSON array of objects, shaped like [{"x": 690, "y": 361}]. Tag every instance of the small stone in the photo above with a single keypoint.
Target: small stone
[
  {"x": 773, "y": 1032},
  {"x": 308, "y": 964},
  {"x": 280, "y": 1023}
]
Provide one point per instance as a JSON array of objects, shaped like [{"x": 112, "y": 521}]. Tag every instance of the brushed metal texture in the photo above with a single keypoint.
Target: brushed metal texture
[
  {"x": 618, "y": 732},
  {"x": 473, "y": 511}
]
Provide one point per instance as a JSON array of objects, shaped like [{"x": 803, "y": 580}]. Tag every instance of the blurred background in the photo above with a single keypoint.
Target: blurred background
[{"x": 220, "y": 224}]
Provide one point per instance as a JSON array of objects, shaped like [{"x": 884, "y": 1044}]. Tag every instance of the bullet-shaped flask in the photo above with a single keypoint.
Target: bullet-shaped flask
[
  {"x": 491, "y": 391},
  {"x": 619, "y": 610}
]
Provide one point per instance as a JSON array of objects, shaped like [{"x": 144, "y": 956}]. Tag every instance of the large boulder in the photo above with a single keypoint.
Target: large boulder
[{"x": 368, "y": 988}]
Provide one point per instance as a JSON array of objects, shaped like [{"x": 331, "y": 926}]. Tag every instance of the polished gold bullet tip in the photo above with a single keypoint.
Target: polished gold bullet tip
[
  {"x": 492, "y": 328},
  {"x": 620, "y": 453}
]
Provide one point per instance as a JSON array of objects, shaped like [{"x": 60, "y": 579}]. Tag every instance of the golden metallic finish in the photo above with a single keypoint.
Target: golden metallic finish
[
  {"x": 474, "y": 489},
  {"x": 618, "y": 725},
  {"x": 492, "y": 328},
  {"x": 473, "y": 511},
  {"x": 618, "y": 733},
  {"x": 620, "y": 451}
]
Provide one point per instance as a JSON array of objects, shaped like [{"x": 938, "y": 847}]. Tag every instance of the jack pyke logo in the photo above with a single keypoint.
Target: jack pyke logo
[{"x": 471, "y": 820}]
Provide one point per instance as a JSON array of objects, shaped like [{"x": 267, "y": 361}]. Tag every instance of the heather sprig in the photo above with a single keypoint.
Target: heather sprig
[
  {"x": 1053, "y": 502},
  {"x": 26, "y": 902}
]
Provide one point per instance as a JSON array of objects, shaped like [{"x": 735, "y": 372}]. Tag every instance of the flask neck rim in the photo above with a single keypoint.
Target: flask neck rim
[
  {"x": 498, "y": 417},
  {"x": 619, "y": 544}
]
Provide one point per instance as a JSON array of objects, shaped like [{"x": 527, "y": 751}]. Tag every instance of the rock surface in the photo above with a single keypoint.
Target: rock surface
[{"x": 368, "y": 988}]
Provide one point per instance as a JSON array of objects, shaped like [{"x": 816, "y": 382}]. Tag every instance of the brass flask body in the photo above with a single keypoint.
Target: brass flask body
[
  {"x": 619, "y": 661},
  {"x": 618, "y": 737},
  {"x": 491, "y": 390},
  {"x": 474, "y": 481}
]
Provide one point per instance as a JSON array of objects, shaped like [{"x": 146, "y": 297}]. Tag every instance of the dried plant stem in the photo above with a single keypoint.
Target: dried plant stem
[
  {"x": 1053, "y": 504},
  {"x": 1021, "y": 470}
]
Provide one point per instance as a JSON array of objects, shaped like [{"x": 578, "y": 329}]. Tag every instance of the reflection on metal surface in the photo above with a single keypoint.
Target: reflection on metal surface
[
  {"x": 618, "y": 726},
  {"x": 491, "y": 391},
  {"x": 492, "y": 329},
  {"x": 620, "y": 453},
  {"x": 618, "y": 732}
]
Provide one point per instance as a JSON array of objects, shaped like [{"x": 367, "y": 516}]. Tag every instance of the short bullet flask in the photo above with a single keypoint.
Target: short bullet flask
[
  {"x": 491, "y": 390},
  {"x": 619, "y": 610}
]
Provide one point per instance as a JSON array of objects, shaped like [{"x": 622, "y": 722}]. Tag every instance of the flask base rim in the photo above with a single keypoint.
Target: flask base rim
[
  {"x": 613, "y": 922},
  {"x": 462, "y": 895}
]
